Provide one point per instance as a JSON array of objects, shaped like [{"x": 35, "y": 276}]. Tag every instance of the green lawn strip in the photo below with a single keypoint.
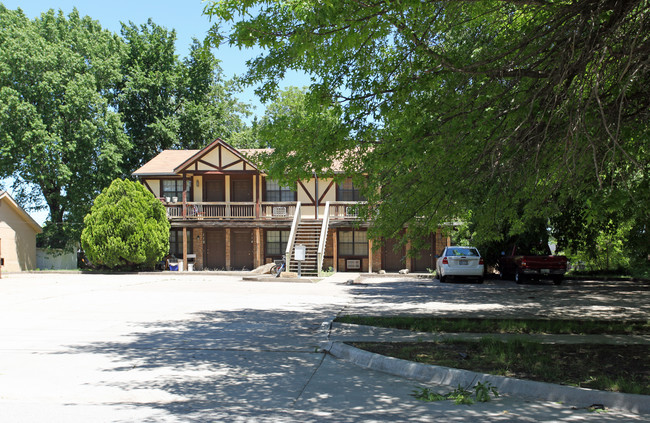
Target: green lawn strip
[
  {"x": 619, "y": 368},
  {"x": 516, "y": 326}
]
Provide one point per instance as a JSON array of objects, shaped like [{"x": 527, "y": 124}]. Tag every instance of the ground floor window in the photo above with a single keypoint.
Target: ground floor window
[
  {"x": 176, "y": 242},
  {"x": 276, "y": 242},
  {"x": 353, "y": 243}
]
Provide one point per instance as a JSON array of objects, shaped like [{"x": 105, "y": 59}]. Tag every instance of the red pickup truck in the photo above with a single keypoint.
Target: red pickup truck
[{"x": 536, "y": 262}]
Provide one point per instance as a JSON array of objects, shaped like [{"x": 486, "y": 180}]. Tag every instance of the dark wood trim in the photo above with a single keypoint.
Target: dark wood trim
[
  {"x": 232, "y": 172},
  {"x": 263, "y": 188},
  {"x": 205, "y": 163},
  {"x": 313, "y": 202},
  {"x": 236, "y": 162},
  {"x": 220, "y": 159},
  {"x": 146, "y": 184},
  {"x": 320, "y": 200}
]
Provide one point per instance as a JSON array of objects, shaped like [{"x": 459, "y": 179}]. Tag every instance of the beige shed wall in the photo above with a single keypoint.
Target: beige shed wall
[{"x": 18, "y": 241}]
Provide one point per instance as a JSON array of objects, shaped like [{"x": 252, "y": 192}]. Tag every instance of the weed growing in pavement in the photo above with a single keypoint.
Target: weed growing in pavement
[{"x": 460, "y": 395}]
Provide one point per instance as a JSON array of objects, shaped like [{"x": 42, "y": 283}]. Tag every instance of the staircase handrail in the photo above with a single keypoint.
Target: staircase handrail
[
  {"x": 292, "y": 235},
  {"x": 323, "y": 238}
]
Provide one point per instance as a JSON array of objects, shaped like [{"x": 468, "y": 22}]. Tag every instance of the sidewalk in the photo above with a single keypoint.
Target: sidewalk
[{"x": 340, "y": 333}]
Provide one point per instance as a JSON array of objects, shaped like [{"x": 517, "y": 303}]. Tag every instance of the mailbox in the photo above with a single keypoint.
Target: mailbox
[{"x": 299, "y": 253}]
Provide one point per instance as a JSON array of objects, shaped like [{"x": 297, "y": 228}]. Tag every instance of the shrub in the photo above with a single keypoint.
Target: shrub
[{"x": 127, "y": 227}]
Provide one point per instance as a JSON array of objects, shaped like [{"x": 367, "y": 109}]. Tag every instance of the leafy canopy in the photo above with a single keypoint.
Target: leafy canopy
[
  {"x": 58, "y": 132},
  {"x": 504, "y": 111},
  {"x": 127, "y": 227},
  {"x": 80, "y": 106}
]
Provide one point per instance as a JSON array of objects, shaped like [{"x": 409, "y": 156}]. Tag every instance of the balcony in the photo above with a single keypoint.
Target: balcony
[{"x": 266, "y": 210}]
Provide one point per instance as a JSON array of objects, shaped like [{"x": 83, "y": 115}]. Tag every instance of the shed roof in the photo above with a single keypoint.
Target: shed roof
[{"x": 8, "y": 199}]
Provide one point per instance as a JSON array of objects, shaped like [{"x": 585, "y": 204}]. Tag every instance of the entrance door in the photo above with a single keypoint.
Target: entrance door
[
  {"x": 241, "y": 248},
  {"x": 426, "y": 259},
  {"x": 242, "y": 190},
  {"x": 214, "y": 190},
  {"x": 392, "y": 261},
  {"x": 215, "y": 249}
]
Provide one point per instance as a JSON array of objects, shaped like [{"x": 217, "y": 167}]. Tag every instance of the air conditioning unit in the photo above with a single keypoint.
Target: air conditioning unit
[
  {"x": 279, "y": 211},
  {"x": 353, "y": 264}
]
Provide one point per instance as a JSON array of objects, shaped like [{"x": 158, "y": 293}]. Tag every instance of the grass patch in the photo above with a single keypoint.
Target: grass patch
[
  {"x": 618, "y": 368},
  {"x": 514, "y": 326}
]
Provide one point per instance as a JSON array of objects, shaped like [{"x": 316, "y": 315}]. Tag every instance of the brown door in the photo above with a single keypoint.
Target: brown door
[
  {"x": 426, "y": 258},
  {"x": 215, "y": 249},
  {"x": 214, "y": 190},
  {"x": 242, "y": 190},
  {"x": 392, "y": 260},
  {"x": 241, "y": 248}
]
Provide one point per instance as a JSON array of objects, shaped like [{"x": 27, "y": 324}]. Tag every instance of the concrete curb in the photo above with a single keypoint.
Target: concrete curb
[{"x": 580, "y": 397}]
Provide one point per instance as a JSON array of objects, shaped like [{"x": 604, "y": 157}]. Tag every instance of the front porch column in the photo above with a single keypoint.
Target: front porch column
[
  {"x": 227, "y": 247},
  {"x": 197, "y": 242},
  {"x": 408, "y": 262},
  {"x": 370, "y": 256},
  {"x": 335, "y": 250},
  {"x": 257, "y": 248},
  {"x": 228, "y": 193},
  {"x": 184, "y": 245}
]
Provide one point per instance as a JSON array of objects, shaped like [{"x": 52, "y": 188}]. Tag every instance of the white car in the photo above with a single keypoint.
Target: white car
[{"x": 460, "y": 262}]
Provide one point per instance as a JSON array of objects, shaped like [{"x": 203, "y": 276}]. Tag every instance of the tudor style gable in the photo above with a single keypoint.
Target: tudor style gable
[{"x": 218, "y": 157}]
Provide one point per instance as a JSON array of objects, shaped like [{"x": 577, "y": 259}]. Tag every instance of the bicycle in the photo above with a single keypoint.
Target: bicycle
[{"x": 278, "y": 268}]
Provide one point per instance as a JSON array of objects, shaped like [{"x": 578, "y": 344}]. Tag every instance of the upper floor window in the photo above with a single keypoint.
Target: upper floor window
[
  {"x": 174, "y": 188},
  {"x": 346, "y": 191},
  {"x": 276, "y": 192}
]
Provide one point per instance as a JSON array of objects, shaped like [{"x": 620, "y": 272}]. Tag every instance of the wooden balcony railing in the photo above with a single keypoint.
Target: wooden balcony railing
[
  {"x": 217, "y": 210},
  {"x": 222, "y": 210},
  {"x": 280, "y": 210}
]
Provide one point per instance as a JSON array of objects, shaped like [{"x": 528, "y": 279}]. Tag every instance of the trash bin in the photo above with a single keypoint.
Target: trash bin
[
  {"x": 180, "y": 265},
  {"x": 191, "y": 258}
]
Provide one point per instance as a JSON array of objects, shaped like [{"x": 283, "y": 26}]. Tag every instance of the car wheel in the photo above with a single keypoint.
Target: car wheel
[
  {"x": 557, "y": 280},
  {"x": 443, "y": 278},
  {"x": 519, "y": 277}
]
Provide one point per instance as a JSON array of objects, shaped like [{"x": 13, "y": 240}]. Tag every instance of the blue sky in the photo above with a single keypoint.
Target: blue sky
[{"x": 185, "y": 16}]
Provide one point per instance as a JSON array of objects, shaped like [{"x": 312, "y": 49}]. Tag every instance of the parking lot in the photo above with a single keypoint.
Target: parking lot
[
  {"x": 574, "y": 299},
  {"x": 201, "y": 347}
]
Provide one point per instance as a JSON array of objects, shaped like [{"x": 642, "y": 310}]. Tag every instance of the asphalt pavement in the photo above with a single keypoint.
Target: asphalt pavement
[{"x": 211, "y": 347}]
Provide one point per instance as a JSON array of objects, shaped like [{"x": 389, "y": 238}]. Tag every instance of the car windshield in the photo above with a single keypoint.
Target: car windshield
[{"x": 461, "y": 251}]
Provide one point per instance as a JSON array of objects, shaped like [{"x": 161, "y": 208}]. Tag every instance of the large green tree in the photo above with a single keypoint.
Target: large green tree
[
  {"x": 505, "y": 110},
  {"x": 57, "y": 130},
  {"x": 169, "y": 103}
]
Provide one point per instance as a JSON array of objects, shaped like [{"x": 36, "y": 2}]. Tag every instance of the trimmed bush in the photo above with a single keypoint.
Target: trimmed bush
[{"x": 127, "y": 227}]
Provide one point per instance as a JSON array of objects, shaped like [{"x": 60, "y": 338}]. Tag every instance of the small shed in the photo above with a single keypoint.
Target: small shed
[{"x": 17, "y": 236}]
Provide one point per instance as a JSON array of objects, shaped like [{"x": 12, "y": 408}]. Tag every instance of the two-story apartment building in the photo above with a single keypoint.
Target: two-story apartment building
[{"x": 225, "y": 213}]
